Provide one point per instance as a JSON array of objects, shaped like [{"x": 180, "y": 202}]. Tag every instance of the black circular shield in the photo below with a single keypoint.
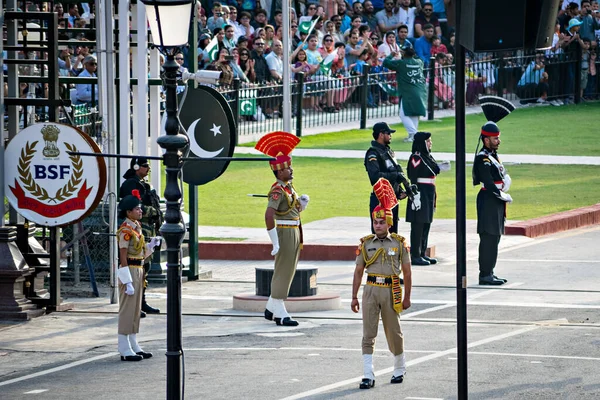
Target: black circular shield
[{"x": 210, "y": 125}]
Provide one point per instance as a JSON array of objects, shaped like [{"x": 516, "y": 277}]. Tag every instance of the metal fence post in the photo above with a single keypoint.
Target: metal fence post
[
  {"x": 236, "y": 108},
  {"x": 501, "y": 76},
  {"x": 299, "y": 101},
  {"x": 364, "y": 96},
  {"x": 431, "y": 89},
  {"x": 577, "y": 94}
]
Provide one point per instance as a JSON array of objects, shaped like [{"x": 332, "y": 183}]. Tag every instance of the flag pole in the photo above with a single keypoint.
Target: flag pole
[{"x": 287, "y": 103}]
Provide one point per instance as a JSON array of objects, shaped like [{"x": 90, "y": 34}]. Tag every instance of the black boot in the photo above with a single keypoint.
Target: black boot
[{"x": 145, "y": 307}]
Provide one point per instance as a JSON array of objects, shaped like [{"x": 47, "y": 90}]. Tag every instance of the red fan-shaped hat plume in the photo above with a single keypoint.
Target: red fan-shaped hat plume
[
  {"x": 387, "y": 200},
  {"x": 136, "y": 193},
  {"x": 278, "y": 145}
]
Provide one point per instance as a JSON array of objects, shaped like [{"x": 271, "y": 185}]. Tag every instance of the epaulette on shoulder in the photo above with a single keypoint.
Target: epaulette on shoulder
[
  {"x": 276, "y": 187},
  {"x": 368, "y": 237},
  {"x": 362, "y": 242},
  {"x": 399, "y": 238}
]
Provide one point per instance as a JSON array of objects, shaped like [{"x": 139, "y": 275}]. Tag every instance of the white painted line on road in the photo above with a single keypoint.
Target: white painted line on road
[
  {"x": 211, "y": 349},
  {"x": 57, "y": 369},
  {"x": 281, "y": 334},
  {"x": 416, "y": 361},
  {"x": 424, "y": 398},
  {"x": 428, "y": 310},
  {"x": 550, "y": 261},
  {"x": 442, "y": 304},
  {"x": 485, "y": 353},
  {"x": 453, "y": 303},
  {"x": 488, "y": 292},
  {"x": 36, "y": 391}
]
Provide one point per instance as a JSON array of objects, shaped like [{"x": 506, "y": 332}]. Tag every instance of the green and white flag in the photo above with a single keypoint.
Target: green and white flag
[
  {"x": 326, "y": 63},
  {"x": 307, "y": 24},
  {"x": 247, "y": 106},
  {"x": 213, "y": 49}
]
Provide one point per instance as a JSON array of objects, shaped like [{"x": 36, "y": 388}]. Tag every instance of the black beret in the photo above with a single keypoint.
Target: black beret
[
  {"x": 422, "y": 136},
  {"x": 128, "y": 203}
]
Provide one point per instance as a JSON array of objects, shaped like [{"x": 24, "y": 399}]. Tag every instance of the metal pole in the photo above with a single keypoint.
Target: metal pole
[
  {"x": 431, "y": 89},
  {"x": 109, "y": 126},
  {"x": 364, "y": 95},
  {"x": 194, "y": 267},
  {"x": 124, "y": 110},
  {"x": 299, "y": 99},
  {"x": 461, "y": 215},
  {"x": 287, "y": 104},
  {"x": 173, "y": 229},
  {"x": 2, "y": 210},
  {"x": 13, "y": 91}
]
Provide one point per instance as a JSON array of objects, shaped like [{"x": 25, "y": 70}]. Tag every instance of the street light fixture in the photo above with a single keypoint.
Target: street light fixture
[{"x": 169, "y": 22}]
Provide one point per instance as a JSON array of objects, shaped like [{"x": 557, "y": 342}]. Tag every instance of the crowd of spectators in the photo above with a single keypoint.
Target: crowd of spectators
[
  {"x": 363, "y": 33},
  {"x": 334, "y": 40}
]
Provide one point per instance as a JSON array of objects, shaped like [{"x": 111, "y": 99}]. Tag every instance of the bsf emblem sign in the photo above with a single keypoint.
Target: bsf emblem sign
[{"x": 47, "y": 185}]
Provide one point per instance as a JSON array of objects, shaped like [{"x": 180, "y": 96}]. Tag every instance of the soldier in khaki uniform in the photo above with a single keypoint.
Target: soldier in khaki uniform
[
  {"x": 385, "y": 256},
  {"x": 282, "y": 219},
  {"x": 152, "y": 218},
  {"x": 133, "y": 250}
]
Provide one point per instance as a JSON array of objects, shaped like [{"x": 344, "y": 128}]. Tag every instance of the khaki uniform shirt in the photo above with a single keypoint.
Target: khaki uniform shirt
[
  {"x": 131, "y": 238},
  {"x": 383, "y": 256},
  {"x": 284, "y": 199}
]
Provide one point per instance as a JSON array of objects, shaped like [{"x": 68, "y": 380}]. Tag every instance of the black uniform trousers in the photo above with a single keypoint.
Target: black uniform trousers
[
  {"x": 373, "y": 202},
  {"x": 419, "y": 236},
  {"x": 488, "y": 253}
]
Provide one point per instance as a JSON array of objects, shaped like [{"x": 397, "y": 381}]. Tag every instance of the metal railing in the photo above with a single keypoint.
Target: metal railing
[{"x": 321, "y": 101}]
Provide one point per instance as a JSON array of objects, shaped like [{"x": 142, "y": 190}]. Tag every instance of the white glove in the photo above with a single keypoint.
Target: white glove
[
  {"x": 506, "y": 197},
  {"x": 155, "y": 241},
  {"x": 275, "y": 240},
  {"x": 416, "y": 202},
  {"x": 304, "y": 199},
  {"x": 444, "y": 165},
  {"x": 124, "y": 275},
  {"x": 507, "y": 182},
  {"x": 129, "y": 291}
]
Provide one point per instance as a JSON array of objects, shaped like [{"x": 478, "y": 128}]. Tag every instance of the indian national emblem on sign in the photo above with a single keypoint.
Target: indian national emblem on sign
[
  {"x": 50, "y": 134},
  {"x": 32, "y": 196}
]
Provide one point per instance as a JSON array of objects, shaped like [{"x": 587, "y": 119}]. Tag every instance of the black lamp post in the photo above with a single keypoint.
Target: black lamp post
[{"x": 169, "y": 22}]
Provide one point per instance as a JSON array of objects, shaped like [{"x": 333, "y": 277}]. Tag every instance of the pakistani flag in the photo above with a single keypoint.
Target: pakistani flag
[
  {"x": 326, "y": 63},
  {"x": 213, "y": 49},
  {"x": 247, "y": 106},
  {"x": 307, "y": 24}
]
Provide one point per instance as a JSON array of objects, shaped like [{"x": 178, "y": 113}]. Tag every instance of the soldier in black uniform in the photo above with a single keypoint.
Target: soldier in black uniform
[
  {"x": 492, "y": 199},
  {"x": 422, "y": 169},
  {"x": 380, "y": 162},
  {"x": 152, "y": 217}
]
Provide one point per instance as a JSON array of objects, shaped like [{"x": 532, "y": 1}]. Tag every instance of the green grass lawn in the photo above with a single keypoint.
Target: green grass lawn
[
  {"x": 567, "y": 130},
  {"x": 340, "y": 187}
]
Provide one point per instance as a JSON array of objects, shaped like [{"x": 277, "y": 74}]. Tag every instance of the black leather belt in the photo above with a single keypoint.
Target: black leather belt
[
  {"x": 134, "y": 261},
  {"x": 373, "y": 279}
]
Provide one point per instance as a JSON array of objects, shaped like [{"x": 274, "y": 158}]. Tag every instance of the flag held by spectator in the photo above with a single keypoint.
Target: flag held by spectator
[
  {"x": 213, "y": 49},
  {"x": 307, "y": 24},
  {"x": 326, "y": 63}
]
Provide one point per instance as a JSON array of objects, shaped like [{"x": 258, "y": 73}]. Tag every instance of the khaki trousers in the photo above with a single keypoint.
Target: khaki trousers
[
  {"x": 130, "y": 306},
  {"x": 379, "y": 301},
  {"x": 286, "y": 261}
]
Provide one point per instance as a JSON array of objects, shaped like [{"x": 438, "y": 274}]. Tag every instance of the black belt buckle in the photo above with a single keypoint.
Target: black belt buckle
[
  {"x": 373, "y": 279},
  {"x": 134, "y": 261}
]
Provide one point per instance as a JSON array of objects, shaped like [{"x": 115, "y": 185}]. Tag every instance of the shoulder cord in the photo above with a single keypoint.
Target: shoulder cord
[
  {"x": 141, "y": 242},
  {"x": 291, "y": 204}
]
